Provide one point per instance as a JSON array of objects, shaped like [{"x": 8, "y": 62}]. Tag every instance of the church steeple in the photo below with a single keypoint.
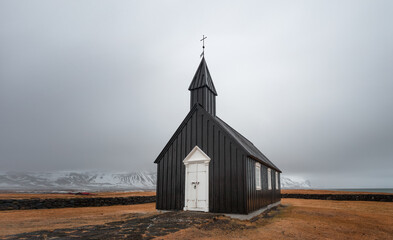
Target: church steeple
[{"x": 202, "y": 89}]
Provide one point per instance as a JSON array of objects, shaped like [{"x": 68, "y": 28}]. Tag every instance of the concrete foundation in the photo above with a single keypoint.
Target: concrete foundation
[{"x": 253, "y": 214}]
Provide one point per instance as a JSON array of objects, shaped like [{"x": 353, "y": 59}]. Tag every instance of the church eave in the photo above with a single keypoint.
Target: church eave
[
  {"x": 264, "y": 163},
  {"x": 249, "y": 147},
  {"x": 194, "y": 88}
]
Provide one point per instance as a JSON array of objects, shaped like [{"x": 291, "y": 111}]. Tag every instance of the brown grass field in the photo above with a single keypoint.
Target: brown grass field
[
  {"x": 311, "y": 219},
  {"x": 297, "y": 219}
]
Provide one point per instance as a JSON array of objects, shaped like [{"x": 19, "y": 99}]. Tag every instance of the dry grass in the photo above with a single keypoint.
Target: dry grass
[
  {"x": 311, "y": 219},
  {"x": 300, "y": 219},
  {"x": 20, "y": 221}
]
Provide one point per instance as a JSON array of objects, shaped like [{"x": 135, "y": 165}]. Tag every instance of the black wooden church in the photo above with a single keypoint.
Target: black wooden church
[{"x": 209, "y": 166}]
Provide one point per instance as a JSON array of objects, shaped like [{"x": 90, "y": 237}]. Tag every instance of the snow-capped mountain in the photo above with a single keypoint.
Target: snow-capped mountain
[
  {"x": 294, "y": 183},
  {"x": 97, "y": 181},
  {"x": 76, "y": 181}
]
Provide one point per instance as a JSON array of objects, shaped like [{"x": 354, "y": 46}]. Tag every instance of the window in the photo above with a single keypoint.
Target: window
[
  {"x": 258, "y": 176},
  {"x": 277, "y": 187},
  {"x": 269, "y": 179}
]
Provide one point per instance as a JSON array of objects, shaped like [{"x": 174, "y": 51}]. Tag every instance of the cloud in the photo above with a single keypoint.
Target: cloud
[{"x": 103, "y": 85}]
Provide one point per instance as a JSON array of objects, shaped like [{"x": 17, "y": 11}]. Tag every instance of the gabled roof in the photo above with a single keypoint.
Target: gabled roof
[
  {"x": 243, "y": 142},
  {"x": 202, "y": 78},
  {"x": 246, "y": 144}
]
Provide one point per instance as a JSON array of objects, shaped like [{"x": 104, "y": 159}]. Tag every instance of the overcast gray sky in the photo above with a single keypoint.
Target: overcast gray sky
[{"x": 103, "y": 84}]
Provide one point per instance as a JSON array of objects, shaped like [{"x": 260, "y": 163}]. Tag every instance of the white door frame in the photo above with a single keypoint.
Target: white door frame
[{"x": 196, "y": 158}]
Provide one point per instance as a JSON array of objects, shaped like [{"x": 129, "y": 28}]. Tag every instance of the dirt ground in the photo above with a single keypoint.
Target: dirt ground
[
  {"x": 69, "y": 195},
  {"x": 294, "y": 219}
]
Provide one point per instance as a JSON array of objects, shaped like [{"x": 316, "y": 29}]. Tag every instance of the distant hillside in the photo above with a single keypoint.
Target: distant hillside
[
  {"x": 287, "y": 183},
  {"x": 76, "y": 181},
  {"x": 95, "y": 181}
]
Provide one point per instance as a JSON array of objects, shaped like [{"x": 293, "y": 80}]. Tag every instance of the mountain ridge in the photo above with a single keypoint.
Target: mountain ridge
[
  {"x": 94, "y": 181},
  {"x": 77, "y": 181}
]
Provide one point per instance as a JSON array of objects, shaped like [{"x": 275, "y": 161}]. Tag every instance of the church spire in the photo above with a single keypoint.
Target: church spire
[
  {"x": 202, "y": 78},
  {"x": 202, "y": 89}
]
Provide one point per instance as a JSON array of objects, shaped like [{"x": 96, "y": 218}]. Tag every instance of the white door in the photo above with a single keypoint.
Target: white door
[
  {"x": 192, "y": 186},
  {"x": 196, "y": 180},
  {"x": 197, "y": 187}
]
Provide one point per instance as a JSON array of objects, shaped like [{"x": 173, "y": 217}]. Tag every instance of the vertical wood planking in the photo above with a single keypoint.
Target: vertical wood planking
[
  {"x": 164, "y": 195},
  {"x": 158, "y": 190},
  {"x": 182, "y": 175},
  {"x": 189, "y": 140},
  {"x": 174, "y": 176},
  {"x": 252, "y": 170},
  {"x": 248, "y": 184},
  {"x": 216, "y": 167},
  {"x": 204, "y": 97},
  {"x": 250, "y": 192},
  {"x": 205, "y": 136},
  {"x": 222, "y": 171},
  {"x": 162, "y": 184},
  {"x": 244, "y": 183},
  {"x": 210, "y": 141},
  {"x": 257, "y": 199},
  {"x": 193, "y": 131},
  {"x": 169, "y": 182},
  {"x": 234, "y": 190},
  {"x": 158, "y": 187},
  {"x": 240, "y": 181},
  {"x": 199, "y": 129},
  {"x": 178, "y": 170},
  {"x": 228, "y": 186}
]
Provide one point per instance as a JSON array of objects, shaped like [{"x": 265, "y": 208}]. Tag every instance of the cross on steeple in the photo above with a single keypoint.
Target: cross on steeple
[{"x": 203, "y": 46}]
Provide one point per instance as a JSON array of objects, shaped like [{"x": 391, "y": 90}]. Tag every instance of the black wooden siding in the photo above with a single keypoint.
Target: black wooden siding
[
  {"x": 231, "y": 172},
  {"x": 226, "y": 168},
  {"x": 257, "y": 199},
  {"x": 205, "y": 97}
]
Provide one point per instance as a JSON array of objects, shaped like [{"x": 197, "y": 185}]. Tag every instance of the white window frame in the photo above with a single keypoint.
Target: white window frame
[
  {"x": 277, "y": 181},
  {"x": 269, "y": 179},
  {"x": 258, "y": 178}
]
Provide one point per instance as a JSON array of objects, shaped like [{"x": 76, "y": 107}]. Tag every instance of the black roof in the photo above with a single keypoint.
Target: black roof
[
  {"x": 202, "y": 78},
  {"x": 244, "y": 143}
]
